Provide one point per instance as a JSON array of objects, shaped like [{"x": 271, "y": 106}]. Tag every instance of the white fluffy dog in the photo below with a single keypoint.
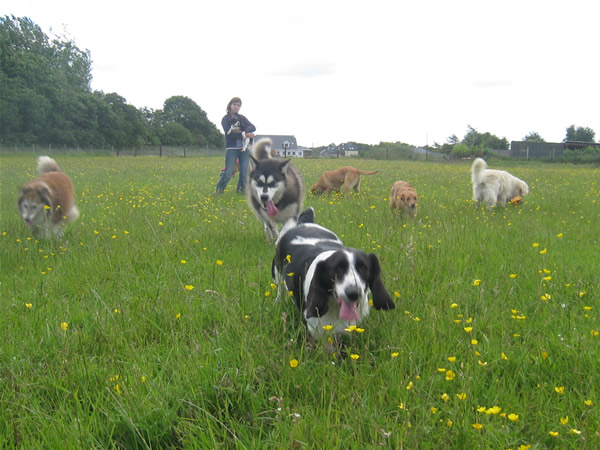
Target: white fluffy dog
[{"x": 495, "y": 186}]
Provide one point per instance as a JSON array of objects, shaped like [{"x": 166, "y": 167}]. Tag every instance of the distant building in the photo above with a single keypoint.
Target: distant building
[
  {"x": 285, "y": 146},
  {"x": 337, "y": 151}
]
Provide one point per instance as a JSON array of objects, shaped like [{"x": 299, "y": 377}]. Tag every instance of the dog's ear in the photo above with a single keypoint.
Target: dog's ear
[
  {"x": 284, "y": 165},
  {"x": 319, "y": 291},
  {"x": 46, "y": 199},
  {"x": 381, "y": 298},
  {"x": 307, "y": 216}
]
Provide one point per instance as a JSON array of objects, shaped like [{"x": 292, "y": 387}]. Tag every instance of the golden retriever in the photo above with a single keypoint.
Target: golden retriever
[
  {"x": 403, "y": 198},
  {"x": 342, "y": 179}
]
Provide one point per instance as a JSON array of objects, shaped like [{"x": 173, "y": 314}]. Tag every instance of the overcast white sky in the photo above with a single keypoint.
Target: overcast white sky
[{"x": 335, "y": 71}]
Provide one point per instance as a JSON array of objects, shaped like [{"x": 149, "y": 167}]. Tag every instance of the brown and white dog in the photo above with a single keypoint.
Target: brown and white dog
[
  {"x": 47, "y": 203},
  {"x": 342, "y": 179},
  {"x": 403, "y": 198}
]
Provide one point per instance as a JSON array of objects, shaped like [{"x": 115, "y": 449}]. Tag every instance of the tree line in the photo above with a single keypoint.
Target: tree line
[{"x": 46, "y": 98}]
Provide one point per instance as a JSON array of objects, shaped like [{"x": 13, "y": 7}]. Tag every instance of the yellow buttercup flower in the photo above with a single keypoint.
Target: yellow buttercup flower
[
  {"x": 513, "y": 417},
  {"x": 564, "y": 420},
  {"x": 476, "y": 282},
  {"x": 559, "y": 389},
  {"x": 477, "y": 426},
  {"x": 543, "y": 252},
  {"x": 293, "y": 363},
  {"x": 553, "y": 433},
  {"x": 452, "y": 358},
  {"x": 450, "y": 375},
  {"x": 395, "y": 354},
  {"x": 189, "y": 287},
  {"x": 461, "y": 396},
  {"x": 354, "y": 356},
  {"x": 493, "y": 410},
  {"x": 327, "y": 327},
  {"x": 219, "y": 262},
  {"x": 445, "y": 397},
  {"x": 64, "y": 326}
]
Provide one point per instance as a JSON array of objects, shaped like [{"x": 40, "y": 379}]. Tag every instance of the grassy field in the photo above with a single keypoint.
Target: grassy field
[{"x": 153, "y": 323}]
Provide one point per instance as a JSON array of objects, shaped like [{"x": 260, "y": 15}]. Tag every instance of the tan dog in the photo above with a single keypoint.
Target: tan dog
[
  {"x": 342, "y": 179},
  {"x": 403, "y": 198},
  {"x": 47, "y": 203}
]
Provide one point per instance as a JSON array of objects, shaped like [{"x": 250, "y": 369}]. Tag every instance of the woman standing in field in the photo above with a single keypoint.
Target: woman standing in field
[{"x": 236, "y": 128}]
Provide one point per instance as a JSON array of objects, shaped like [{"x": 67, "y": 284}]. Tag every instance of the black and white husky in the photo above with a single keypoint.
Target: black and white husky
[
  {"x": 275, "y": 188},
  {"x": 329, "y": 282}
]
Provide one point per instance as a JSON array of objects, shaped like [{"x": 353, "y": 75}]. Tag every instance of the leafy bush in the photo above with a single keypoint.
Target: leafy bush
[{"x": 585, "y": 156}]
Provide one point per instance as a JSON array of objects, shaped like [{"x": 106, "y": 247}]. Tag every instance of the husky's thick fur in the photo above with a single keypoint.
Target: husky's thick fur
[
  {"x": 495, "y": 187},
  {"x": 47, "y": 203},
  {"x": 276, "y": 188}
]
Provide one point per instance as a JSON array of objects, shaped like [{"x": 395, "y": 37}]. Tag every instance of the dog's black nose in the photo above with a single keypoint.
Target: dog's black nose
[
  {"x": 351, "y": 294},
  {"x": 264, "y": 198}
]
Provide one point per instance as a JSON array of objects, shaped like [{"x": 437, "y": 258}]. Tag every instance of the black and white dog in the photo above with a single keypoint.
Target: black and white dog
[
  {"x": 329, "y": 282},
  {"x": 276, "y": 188}
]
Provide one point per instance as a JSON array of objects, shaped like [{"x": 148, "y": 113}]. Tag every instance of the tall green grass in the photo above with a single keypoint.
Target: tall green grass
[{"x": 154, "y": 324}]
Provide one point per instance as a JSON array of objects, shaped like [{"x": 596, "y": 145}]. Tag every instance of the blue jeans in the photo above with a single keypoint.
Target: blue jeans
[{"x": 231, "y": 156}]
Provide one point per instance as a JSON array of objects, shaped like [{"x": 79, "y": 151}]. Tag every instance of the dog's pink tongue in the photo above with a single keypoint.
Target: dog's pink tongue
[
  {"x": 271, "y": 209},
  {"x": 348, "y": 311}
]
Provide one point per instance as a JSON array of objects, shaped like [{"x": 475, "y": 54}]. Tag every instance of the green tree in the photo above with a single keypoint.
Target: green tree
[
  {"x": 41, "y": 84},
  {"x": 187, "y": 113},
  {"x": 484, "y": 140},
  {"x": 533, "y": 137},
  {"x": 580, "y": 134},
  {"x": 174, "y": 133},
  {"x": 123, "y": 125}
]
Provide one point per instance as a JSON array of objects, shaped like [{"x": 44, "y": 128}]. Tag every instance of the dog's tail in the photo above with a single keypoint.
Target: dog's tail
[
  {"x": 479, "y": 165},
  {"x": 362, "y": 172},
  {"x": 47, "y": 164},
  {"x": 262, "y": 149}
]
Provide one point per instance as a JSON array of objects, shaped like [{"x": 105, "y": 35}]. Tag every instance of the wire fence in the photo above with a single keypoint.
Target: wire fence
[{"x": 166, "y": 151}]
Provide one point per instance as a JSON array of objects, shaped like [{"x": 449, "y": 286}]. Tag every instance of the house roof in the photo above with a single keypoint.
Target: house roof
[{"x": 278, "y": 140}]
